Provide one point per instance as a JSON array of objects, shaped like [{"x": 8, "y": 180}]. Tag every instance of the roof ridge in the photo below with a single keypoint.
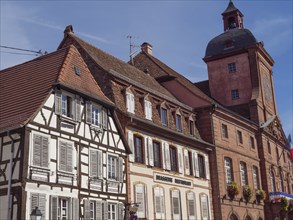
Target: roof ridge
[{"x": 37, "y": 58}]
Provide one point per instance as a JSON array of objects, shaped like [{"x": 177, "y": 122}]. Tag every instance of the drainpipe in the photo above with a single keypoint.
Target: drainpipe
[
  {"x": 10, "y": 177},
  {"x": 215, "y": 159}
]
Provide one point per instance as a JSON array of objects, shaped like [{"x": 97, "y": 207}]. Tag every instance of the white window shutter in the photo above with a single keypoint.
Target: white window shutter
[
  {"x": 62, "y": 156},
  {"x": 180, "y": 165},
  {"x": 86, "y": 209},
  {"x": 150, "y": 151},
  {"x": 105, "y": 210},
  {"x": 195, "y": 164},
  {"x": 207, "y": 167},
  {"x": 34, "y": 201},
  {"x": 57, "y": 102},
  {"x": 75, "y": 208},
  {"x": 54, "y": 208},
  {"x": 45, "y": 152},
  {"x": 162, "y": 203},
  {"x": 99, "y": 210},
  {"x": 158, "y": 203},
  {"x": 93, "y": 163},
  {"x": 88, "y": 115},
  {"x": 104, "y": 118},
  {"x": 42, "y": 205},
  {"x": 131, "y": 145},
  {"x": 73, "y": 108},
  {"x": 140, "y": 200},
  {"x": 132, "y": 103},
  {"x": 150, "y": 111},
  {"x": 163, "y": 155},
  {"x": 128, "y": 102},
  {"x": 78, "y": 109},
  {"x": 120, "y": 169},
  {"x": 191, "y": 206},
  {"x": 69, "y": 163},
  {"x": 37, "y": 149},
  {"x": 204, "y": 207},
  {"x": 146, "y": 149},
  {"x": 175, "y": 204},
  {"x": 186, "y": 162},
  {"x": 167, "y": 157},
  {"x": 120, "y": 211},
  {"x": 100, "y": 164}
]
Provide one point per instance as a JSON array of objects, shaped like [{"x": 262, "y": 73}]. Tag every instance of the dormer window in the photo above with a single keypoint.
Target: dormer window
[
  {"x": 178, "y": 122},
  {"x": 148, "y": 109},
  {"x": 130, "y": 103},
  {"x": 164, "y": 117}
]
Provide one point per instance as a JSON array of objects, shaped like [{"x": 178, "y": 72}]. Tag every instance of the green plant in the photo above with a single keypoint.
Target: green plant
[
  {"x": 260, "y": 194},
  {"x": 247, "y": 193},
  {"x": 232, "y": 189},
  {"x": 285, "y": 204}
]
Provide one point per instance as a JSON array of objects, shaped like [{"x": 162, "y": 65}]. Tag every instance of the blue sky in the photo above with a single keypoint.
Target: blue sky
[{"x": 178, "y": 30}]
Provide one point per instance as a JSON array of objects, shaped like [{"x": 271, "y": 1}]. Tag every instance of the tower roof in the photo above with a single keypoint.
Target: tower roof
[{"x": 231, "y": 7}]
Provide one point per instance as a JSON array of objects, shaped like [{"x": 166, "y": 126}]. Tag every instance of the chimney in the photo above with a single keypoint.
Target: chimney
[
  {"x": 147, "y": 48},
  {"x": 68, "y": 29}
]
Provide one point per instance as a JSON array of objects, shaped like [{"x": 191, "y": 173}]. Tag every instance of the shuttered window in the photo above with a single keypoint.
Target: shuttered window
[
  {"x": 92, "y": 210},
  {"x": 64, "y": 208},
  {"x": 204, "y": 206},
  {"x": 159, "y": 203},
  {"x": 176, "y": 204},
  {"x": 39, "y": 200},
  {"x": 140, "y": 200},
  {"x": 112, "y": 211},
  {"x": 130, "y": 103},
  {"x": 148, "y": 109},
  {"x": 112, "y": 164},
  {"x": 95, "y": 163},
  {"x": 191, "y": 206},
  {"x": 40, "y": 150},
  {"x": 65, "y": 156},
  {"x": 67, "y": 105},
  {"x": 96, "y": 115}
]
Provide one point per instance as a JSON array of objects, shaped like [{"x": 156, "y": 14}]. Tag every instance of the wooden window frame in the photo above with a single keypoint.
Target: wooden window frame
[
  {"x": 173, "y": 158},
  {"x": 136, "y": 158},
  {"x": 160, "y": 154}
]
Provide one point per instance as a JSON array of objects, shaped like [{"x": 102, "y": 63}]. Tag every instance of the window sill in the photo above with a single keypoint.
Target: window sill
[
  {"x": 139, "y": 164},
  {"x": 96, "y": 127},
  {"x": 67, "y": 119}
]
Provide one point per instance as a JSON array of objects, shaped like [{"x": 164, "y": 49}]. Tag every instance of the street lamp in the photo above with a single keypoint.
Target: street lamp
[{"x": 36, "y": 214}]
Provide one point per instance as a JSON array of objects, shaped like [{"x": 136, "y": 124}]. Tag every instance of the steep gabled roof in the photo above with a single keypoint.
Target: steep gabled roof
[
  {"x": 114, "y": 65},
  {"x": 25, "y": 87},
  {"x": 162, "y": 72}
]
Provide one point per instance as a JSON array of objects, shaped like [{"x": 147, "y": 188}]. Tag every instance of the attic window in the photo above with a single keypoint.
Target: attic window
[{"x": 76, "y": 70}]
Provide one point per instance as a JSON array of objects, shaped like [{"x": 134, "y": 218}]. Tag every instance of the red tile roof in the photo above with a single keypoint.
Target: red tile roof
[
  {"x": 25, "y": 87},
  {"x": 161, "y": 71},
  {"x": 112, "y": 64}
]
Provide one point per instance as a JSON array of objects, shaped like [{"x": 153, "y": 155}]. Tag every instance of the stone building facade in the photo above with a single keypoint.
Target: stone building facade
[{"x": 237, "y": 112}]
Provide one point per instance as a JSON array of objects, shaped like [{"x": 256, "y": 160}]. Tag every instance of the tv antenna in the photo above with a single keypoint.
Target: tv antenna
[{"x": 132, "y": 46}]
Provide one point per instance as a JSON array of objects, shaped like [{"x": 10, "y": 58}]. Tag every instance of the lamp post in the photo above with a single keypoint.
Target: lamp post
[{"x": 36, "y": 214}]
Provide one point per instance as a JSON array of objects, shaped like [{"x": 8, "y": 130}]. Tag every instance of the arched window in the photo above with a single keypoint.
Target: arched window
[
  {"x": 233, "y": 217},
  {"x": 191, "y": 205},
  {"x": 243, "y": 173},
  {"x": 281, "y": 181},
  {"x": 140, "y": 199},
  {"x": 159, "y": 202},
  {"x": 273, "y": 182}
]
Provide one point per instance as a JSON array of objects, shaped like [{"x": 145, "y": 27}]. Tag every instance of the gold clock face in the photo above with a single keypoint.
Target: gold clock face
[{"x": 267, "y": 88}]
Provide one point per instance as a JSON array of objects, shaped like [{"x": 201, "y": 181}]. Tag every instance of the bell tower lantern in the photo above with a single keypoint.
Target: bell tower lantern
[{"x": 232, "y": 17}]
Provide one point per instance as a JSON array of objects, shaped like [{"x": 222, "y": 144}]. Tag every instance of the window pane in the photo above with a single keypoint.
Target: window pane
[
  {"x": 201, "y": 166},
  {"x": 178, "y": 123},
  {"x": 164, "y": 116},
  {"x": 228, "y": 170},
  {"x": 138, "y": 145},
  {"x": 157, "y": 154},
  {"x": 173, "y": 158}
]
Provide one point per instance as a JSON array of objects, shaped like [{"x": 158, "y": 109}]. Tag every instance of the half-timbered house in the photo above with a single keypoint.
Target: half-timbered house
[
  {"x": 168, "y": 170},
  {"x": 62, "y": 148}
]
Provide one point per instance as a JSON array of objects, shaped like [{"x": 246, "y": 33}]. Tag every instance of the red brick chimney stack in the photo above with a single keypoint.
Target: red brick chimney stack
[{"x": 147, "y": 48}]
